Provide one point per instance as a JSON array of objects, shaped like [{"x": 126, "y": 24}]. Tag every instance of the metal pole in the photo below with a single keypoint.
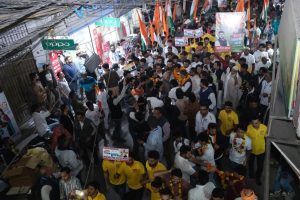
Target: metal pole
[
  {"x": 91, "y": 38},
  {"x": 267, "y": 169}
]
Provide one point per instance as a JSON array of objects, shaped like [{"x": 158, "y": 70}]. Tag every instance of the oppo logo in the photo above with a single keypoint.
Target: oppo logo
[{"x": 58, "y": 44}]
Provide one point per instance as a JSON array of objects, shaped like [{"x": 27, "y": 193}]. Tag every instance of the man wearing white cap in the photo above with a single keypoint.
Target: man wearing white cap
[
  {"x": 250, "y": 59},
  {"x": 232, "y": 84}
]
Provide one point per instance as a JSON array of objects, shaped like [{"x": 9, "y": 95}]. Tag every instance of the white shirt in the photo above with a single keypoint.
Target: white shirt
[
  {"x": 177, "y": 146},
  {"x": 94, "y": 115},
  {"x": 270, "y": 52},
  {"x": 201, "y": 123},
  {"x": 63, "y": 87},
  {"x": 234, "y": 155},
  {"x": 172, "y": 93},
  {"x": 250, "y": 59},
  {"x": 260, "y": 64},
  {"x": 196, "y": 84},
  {"x": 68, "y": 158},
  {"x": 155, "y": 102},
  {"x": 40, "y": 122},
  {"x": 265, "y": 88},
  {"x": 259, "y": 54},
  {"x": 114, "y": 57},
  {"x": 102, "y": 97},
  {"x": 185, "y": 166},
  {"x": 154, "y": 142},
  {"x": 208, "y": 156},
  {"x": 202, "y": 192},
  {"x": 194, "y": 64}
]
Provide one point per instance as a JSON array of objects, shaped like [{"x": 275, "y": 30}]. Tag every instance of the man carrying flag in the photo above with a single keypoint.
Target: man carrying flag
[
  {"x": 144, "y": 36},
  {"x": 169, "y": 17}
]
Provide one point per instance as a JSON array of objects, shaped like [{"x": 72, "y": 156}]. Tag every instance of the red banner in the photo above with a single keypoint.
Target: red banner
[{"x": 55, "y": 63}]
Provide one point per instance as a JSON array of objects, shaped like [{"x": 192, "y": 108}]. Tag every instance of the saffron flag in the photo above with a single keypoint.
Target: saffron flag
[
  {"x": 240, "y": 6},
  {"x": 144, "y": 35},
  {"x": 156, "y": 17},
  {"x": 165, "y": 25},
  {"x": 174, "y": 13},
  {"x": 264, "y": 13},
  {"x": 193, "y": 11}
]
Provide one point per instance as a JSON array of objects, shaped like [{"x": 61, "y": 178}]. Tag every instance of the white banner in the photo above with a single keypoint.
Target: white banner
[
  {"x": 8, "y": 124},
  {"x": 190, "y": 33},
  {"x": 119, "y": 154},
  {"x": 181, "y": 41}
]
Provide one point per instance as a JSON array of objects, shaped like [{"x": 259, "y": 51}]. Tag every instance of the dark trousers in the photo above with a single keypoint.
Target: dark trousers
[
  {"x": 134, "y": 194},
  {"x": 120, "y": 190},
  {"x": 91, "y": 95},
  {"x": 169, "y": 152},
  {"x": 117, "y": 130},
  {"x": 259, "y": 165}
]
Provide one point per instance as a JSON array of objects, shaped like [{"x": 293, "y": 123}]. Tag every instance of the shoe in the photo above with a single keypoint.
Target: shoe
[
  {"x": 258, "y": 181},
  {"x": 275, "y": 194},
  {"x": 283, "y": 194}
]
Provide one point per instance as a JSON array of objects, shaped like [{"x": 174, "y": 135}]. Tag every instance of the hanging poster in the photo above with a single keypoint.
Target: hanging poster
[
  {"x": 56, "y": 67},
  {"x": 8, "y": 124},
  {"x": 230, "y": 31},
  {"x": 181, "y": 41},
  {"x": 119, "y": 154}
]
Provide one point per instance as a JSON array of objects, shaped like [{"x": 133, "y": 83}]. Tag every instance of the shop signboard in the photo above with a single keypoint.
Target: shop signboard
[
  {"x": 58, "y": 44},
  {"x": 230, "y": 31},
  {"x": 8, "y": 124},
  {"x": 181, "y": 41},
  {"x": 118, "y": 154},
  {"x": 56, "y": 67},
  {"x": 109, "y": 22}
]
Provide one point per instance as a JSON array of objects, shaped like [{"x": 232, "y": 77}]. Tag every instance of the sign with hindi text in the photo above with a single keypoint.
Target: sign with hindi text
[{"x": 230, "y": 31}]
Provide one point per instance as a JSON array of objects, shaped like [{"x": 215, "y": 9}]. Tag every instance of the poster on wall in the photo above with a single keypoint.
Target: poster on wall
[
  {"x": 106, "y": 49},
  {"x": 56, "y": 67},
  {"x": 230, "y": 31},
  {"x": 8, "y": 124},
  {"x": 118, "y": 154}
]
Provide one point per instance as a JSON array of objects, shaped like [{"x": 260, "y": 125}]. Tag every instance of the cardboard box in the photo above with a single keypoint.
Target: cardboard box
[{"x": 23, "y": 173}]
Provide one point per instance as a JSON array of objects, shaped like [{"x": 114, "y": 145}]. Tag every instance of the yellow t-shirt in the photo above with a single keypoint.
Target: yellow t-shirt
[
  {"x": 133, "y": 174},
  {"x": 209, "y": 36},
  {"x": 112, "y": 168},
  {"x": 257, "y": 137},
  {"x": 154, "y": 194},
  {"x": 228, "y": 120},
  {"x": 98, "y": 197},
  {"x": 150, "y": 171}
]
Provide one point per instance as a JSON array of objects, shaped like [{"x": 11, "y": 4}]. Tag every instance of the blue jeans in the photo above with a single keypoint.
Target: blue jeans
[{"x": 283, "y": 182}]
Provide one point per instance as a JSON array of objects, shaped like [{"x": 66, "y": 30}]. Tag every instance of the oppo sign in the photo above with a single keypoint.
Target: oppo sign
[{"x": 60, "y": 44}]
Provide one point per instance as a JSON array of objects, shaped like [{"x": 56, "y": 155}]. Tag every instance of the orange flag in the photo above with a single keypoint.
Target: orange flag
[
  {"x": 174, "y": 13},
  {"x": 240, "y": 6},
  {"x": 152, "y": 32},
  {"x": 143, "y": 30},
  {"x": 248, "y": 15},
  {"x": 156, "y": 17},
  {"x": 165, "y": 25}
]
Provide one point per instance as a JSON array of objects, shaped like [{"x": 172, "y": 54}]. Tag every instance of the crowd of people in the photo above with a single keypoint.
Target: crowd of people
[{"x": 197, "y": 118}]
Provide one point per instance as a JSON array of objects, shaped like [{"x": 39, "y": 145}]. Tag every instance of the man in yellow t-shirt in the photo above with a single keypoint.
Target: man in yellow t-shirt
[
  {"x": 135, "y": 175},
  {"x": 110, "y": 169},
  {"x": 228, "y": 119},
  {"x": 257, "y": 133},
  {"x": 92, "y": 192},
  {"x": 153, "y": 165},
  {"x": 154, "y": 188}
]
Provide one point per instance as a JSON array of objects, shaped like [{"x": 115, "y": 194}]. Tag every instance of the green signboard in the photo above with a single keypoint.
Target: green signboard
[
  {"x": 109, "y": 22},
  {"x": 59, "y": 44}
]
